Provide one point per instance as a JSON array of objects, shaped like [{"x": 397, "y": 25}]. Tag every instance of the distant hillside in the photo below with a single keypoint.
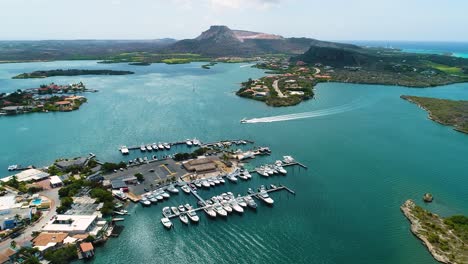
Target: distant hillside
[{"x": 222, "y": 41}]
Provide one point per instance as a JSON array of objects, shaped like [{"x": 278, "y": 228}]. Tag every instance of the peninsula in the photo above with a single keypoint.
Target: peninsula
[
  {"x": 445, "y": 238},
  {"x": 46, "y": 98},
  {"x": 69, "y": 72},
  {"x": 444, "y": 111}
]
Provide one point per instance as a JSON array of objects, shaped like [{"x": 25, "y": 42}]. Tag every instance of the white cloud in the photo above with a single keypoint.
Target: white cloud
[{"x": 241, "y": 4}]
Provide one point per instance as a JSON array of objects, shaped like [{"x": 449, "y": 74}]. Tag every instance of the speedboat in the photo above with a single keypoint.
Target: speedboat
[
  {"x": 226, "y": 207},
  {"x": 181, "y": 208},
  {"x": 280, "y": 169},
  {"x": 262, "y": 171},
  {"x": 232, "y": 178},
  {"x": 211, "y": 182},
  {"x": 175, "y": 210},
  {"x": 149, "y": 148},
  {"x": 160, "y": 146},
  {"x": 263, "y": 195},
  {"x": 189, "y": 142},
  {"x": 198, "y": 184},
  {"x": 154, "y": 146},
  {"x": 188, "y": 207},
  {"x": 183, "y": 218},
  {"x": 209, "y": 211},
  {"x": 145, "y": 202},
  {"x": 243, "y": 121},
  {"x": 288, "y": 159},
  {"x": 240, "y": 201},
  {"x": 221, "y": 180},
  {"x": 235, "y": 206},
  {"x": 185, "y": 188},
  {"x": 250, "y": 202},
  {"x": 142, "y": 148},
  {"x": 165, "y": 195},
  {"x": 195, "y": 142},
  {"x": 166, "y": 222},
  {"x": 243, "y": 176},
  {"x": 167, "y": 146},
  {"x": 216, "y": 181},
  {"x": 172, "y": 189},
  {"x": 206, "y": 184},
  {"x": 193, "y": 216},
  {"x": 153, "y": 199},
  {"x": 220, "y": 210}
]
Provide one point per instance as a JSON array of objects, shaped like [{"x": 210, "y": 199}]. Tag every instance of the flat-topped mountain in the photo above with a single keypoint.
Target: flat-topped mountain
[{"x": 223, "y": 41}]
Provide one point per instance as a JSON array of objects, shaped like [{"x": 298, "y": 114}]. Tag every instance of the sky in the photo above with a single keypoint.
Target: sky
[{"x": 412, "y": 20}]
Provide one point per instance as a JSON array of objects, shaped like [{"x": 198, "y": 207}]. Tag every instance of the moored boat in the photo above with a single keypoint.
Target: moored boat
[
  {"x": 185, "y": 188},
  {"x": 219, "y": 209},
  {"x": 189, "y": 142},
  {"x": 193, "y": 216},
  {"x": 166, "y": 222},
  {"x": 250, "y": 202},
  {"x": 172, "y": 189},
  {"x": 235, "y": 206},
  {"x": 183, "y": 218},
  {"x": 209, "y": 211},
  {"x": 263, "y": 195}
]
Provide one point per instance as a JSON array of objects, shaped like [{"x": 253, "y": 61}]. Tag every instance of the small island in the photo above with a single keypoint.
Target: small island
[
  {"x": 69, "y": 72},
  {"x": 46, "y": 98},
  {"x": 444, "y": 111},
  {"x": 445, "y": 238}
]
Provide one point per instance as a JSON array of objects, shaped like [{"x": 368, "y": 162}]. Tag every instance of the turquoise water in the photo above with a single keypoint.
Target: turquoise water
[
  {"x": 37, "y": 201},
  {"x": 363, "y": 163}
]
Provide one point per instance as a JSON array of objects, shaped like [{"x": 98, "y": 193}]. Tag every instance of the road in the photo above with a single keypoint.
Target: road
[
  {"x": 26, "y": 235},
  {"x": 275, "y": 86}
]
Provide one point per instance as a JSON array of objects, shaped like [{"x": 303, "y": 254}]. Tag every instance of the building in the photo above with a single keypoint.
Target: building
[
  {"x": 55, "y": 182},
  {"x": 28, "y": 175},
  {"x": 46, "y": 240},
  {"x": 73, "y": 224},
  {"x": 200, "y": 165},
  {"x": 87, "y": 250},
  {"x": 64, "y": 105},
  {"x": 67, "y": 164},
  {"x": 9, "y": 218}
]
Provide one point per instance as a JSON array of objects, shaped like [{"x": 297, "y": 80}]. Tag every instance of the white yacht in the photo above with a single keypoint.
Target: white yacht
[
  {"x": 165, "y": 195},
  {"x": 220, "y": 210},
  {"x": 189, "y": 142},
  {"x": 262, "y": 171},
  {"x": 193, "y": 216},
  {"x": 250, "y": 202},
  {"x": 145, "y": 202},
  {"x": 288, "y": 159},
  {"x": 226, "y": 207},
  {"x": 185, "y": 188},
  {"x": 205, "y": 184},
  {"x": 160, "y": 146},
  {"x": 183, "y": 218},
  {"x": 209, "y": 211},
  {"x": 235, "y": 206},
  {"x": 123, "y": 150},
  {"x": 211, "y": 182},
  {"x": 167, "y": 146},
  {"x": 263, "y": 195},
  {"x": 142, "y": 148},
  {"x": 181, "y": 208},
  {"x": 216, "y": 181},
  {"x": 175, "y": 210},
  {"x": 240, "y": 201},
  {"x": 166, "y": 222},
  {"x": 166, "y": 211},
  {"x": 172, "y": 189},
  {"x": 196, "y": 142},
  {"x": 198, "y": 184},
  {"x": 280, "y": 169},
  {"x": 221, "y": 180},
  {"x": 154, "y": 146},
  {"x": 149, "y": 148}
]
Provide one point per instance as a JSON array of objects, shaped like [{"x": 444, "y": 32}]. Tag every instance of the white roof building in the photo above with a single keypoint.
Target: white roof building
[
  {"x": 74, "y": 224},
  {"x": 28, "y": 175},
  {"x": 55, "y": 180}
]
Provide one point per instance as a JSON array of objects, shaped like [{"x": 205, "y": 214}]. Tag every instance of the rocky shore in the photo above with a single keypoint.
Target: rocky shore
[{"x": 442, "y": 237}]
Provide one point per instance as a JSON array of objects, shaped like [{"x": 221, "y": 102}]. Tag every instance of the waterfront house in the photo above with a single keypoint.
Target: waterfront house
[
  {"x": 55, "y": 182},
  {"x": 87, "y": 250},
  {"x": 73, "y": 224},
  {"x": 46, "y": 240},
  {"x": 28, "y": 175},
  {"x": 64, "y": 105}
]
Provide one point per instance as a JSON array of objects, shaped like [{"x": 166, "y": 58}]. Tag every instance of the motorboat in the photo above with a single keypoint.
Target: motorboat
[
  {"x": 226, "y": 207},
  {"x": 193, "y": 216},
  {"x": 166, "y": 211},
  {"x": 145, "y": 202},
  {"x": 189, "y": 142},
  {"x": 196, "y": 142},
  {"x": 263, "y": 195},
  {"x": 165, "y": 195},
  {"x": 211, "y": 182},
  {"x": 188, "y": 207},
  {"x": 243, "y": 121},
  {"x": 160, "y": 146},
  {"x": 235, "y": 206},
  {"x": 206, "y": 184},
  {"x": 175, "y": 210},
  {"x": 166, "y": 222},
  {"x": 123, "y": 150},
  {"x": 172, "y": 189},
  {"x": 219, "y": 209},
  {"x": 240, "y": 201},
  {"x": 216, "y": 181},
  {"x": 198, "y": 184},
  {"x": 153, "y": 199},
  {"x": 183, "y": 218},
  {"x": 167, "y": 146},
  {"x": 142, "y": 148},
  {"x": 185, "y": 188},
  {"x": 243, "y": 176},
  {"x": 280, "y": 169},
  {"x": 181, "y": 208},
  {"x": 154, "y": 146},
  {"x": 232, "y": 178},
  {"x": 149, "y": 148},
  {"x": 288, "y": 159},
  {"x": 262, "y": 171},
  {"x": 269, "y": 170},
  {"x": 210, "y": 212},
  {"x": 221, "y": 180},
  {"x": 250, "y": 202}
]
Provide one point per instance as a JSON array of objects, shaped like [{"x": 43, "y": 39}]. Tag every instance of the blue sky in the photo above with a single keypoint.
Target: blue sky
[{"x": 424, "y": 20}]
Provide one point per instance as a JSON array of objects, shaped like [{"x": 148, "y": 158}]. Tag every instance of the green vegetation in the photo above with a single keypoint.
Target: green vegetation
[
  {"x": 139, "y": 177},
  {"x": 109, "y": 166},
  {"x": 146, "y": 58},
  {"x": 446, "y": 239},
  {"x": 62, "y": 255},
  {"x": 69, "y": 72},
  {"x": 193, "y": 155},
  {"x": 444, "y": 111}
]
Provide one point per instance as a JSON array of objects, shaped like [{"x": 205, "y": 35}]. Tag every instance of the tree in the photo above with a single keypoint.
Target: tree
[
  {"x": 139, "y": 177},
  {"x": 13, "y": 244}
]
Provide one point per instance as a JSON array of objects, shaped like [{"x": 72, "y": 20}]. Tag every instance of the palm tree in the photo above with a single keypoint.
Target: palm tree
[{"x": 13, "y": 244}]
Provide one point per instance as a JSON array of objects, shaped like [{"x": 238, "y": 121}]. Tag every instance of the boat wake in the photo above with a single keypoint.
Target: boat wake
[
  {"x": 248, "y": 65},
  {"x": 317, "y": 113}
]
